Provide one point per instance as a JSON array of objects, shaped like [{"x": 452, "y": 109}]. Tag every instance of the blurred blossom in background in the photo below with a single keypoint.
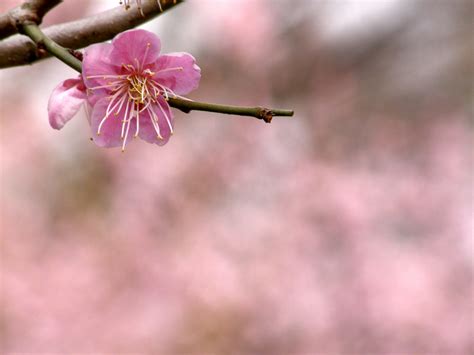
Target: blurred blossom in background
[{"x": 344, "y": 230}]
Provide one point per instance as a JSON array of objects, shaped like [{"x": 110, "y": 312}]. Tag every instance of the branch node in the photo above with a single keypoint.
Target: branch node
[
  {"x": 265, "y": 114},
  {"x": 41, "y": 51},
  {"x": 76, "y": 54}
]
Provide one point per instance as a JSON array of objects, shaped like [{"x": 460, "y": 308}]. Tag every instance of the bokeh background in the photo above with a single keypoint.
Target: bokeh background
[{"x": 346, "y": 229}]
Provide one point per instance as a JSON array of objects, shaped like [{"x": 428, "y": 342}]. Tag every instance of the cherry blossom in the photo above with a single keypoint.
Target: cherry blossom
[{"x": 127, "y": 83}]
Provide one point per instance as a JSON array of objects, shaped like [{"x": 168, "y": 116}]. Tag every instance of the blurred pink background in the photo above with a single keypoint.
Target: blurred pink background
[{"x": 346, "y": 229}]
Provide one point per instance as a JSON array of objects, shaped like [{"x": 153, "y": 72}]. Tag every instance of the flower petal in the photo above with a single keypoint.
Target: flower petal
[
  {"x": 147, "y": 130},
  {"x": 136, "y": 45},
  {"x": 97, "y": 64},
  {"x": 178, "y": 71},
  {"x": 65, "y": 101},
  {"x": 111, "y": 128}
]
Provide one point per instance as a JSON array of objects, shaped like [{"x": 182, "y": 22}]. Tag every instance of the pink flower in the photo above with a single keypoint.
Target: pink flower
[{"x": 128, "y": 84}]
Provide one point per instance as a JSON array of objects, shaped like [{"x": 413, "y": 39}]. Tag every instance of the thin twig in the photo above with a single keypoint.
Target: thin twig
[
  {"x": 184, "y": 105},
  {"x": 33, "y": 31},
  {"x": 19, "y": 50},
  {"x": 261, "y": 113}
]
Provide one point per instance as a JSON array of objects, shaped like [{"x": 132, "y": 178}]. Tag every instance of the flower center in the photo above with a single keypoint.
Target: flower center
[{"x": 138, "y": 89}]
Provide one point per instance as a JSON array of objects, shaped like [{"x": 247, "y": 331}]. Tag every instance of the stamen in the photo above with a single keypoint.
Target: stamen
[
  {"x": 148, "y": 94},
  {"x": 101, "y": 123},
  {"x": 143, "y": 91},
  {"x": 138, "y": 123},
  {"x": 148, "y": 45},
  {"x": 107, "y": 112},
  {"x": 124, "y": 97},
  {"x": 125, "y": 119},
  {"x": 146, "y": 106},
  {"x": 109, "y": 85},
  {"x": 166, "y": 116},
  {"x": 160, "y": 88},
  {"x": 139, "y": 88},
  {"x": 126, "y": 133},
  {"x": 165, "y": 90},
  {"x": 156, "y": 90},
  {"x": 154, "y": 122},
  {"x": 170, "y": 69},
  {"x": 117, "y": 94},
  {"x": 128, "y": 67},
  {"x": 105, "y": 76}
]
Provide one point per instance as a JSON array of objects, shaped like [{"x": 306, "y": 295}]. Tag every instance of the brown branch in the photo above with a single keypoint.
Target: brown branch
[
  {"x": 30, "y": 10},
  {"x": 20, "y": 50}
]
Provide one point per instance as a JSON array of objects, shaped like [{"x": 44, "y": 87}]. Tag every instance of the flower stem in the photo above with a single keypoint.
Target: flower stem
[{"x": 185, "y": 105}]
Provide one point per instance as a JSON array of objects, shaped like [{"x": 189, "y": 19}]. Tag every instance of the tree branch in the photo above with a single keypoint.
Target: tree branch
[
  {"x": 20, "y": 50},
  {"x": 184, "y": 105},
  {"x": 30, "y": 10}
]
